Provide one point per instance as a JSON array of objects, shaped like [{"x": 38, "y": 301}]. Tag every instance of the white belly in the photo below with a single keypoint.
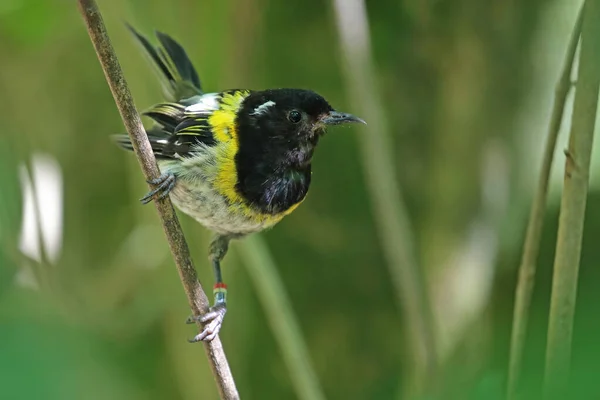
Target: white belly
[
  {"x": 195, "y": 195},
  {"x": 212, "y": 210}
]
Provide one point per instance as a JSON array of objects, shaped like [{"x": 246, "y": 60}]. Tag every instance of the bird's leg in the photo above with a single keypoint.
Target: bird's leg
[
  {"x": 164, "y": 184},
  {"x": 213, "y": 319}
]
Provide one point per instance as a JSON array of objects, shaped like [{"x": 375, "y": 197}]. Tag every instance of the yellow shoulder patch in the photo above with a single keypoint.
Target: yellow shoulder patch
[{"x": 222, "y": 123}]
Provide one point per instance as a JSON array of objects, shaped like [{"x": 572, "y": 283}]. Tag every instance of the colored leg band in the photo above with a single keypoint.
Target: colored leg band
[{"x": 220, "y": 292}]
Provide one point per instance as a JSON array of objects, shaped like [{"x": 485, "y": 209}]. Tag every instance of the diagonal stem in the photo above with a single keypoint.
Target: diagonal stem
[
  {"x": 196, "y": 296},
  {"x": 572, "y": 208},
  {"x": 527, "y": 268}
]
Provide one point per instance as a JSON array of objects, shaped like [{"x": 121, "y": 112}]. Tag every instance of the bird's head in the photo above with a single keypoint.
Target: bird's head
[
  {"x": 278, "y": 131},
  {"x": 290, "y": 115}
]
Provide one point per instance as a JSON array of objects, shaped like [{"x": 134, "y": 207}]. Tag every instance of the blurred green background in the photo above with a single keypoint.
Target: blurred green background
[{"x": 94, "y": 309}]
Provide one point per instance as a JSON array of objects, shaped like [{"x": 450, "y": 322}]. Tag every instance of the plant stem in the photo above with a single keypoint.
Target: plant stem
[
  {"x": 280, "y": 315},
  {"x": 197, "y": 298},
  {"x": 527, "y": 268},
  {"x": 386, "y": 197},
  {"x": 572, "y": 211}
]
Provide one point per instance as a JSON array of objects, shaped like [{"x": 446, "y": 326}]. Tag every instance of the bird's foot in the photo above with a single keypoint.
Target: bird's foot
[
  {"x": 212, "y": 321},
  {"x": 164, "y": 185}
]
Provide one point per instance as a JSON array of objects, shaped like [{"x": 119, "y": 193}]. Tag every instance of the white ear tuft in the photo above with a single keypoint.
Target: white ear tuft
[{"x": 262, "y": 109}]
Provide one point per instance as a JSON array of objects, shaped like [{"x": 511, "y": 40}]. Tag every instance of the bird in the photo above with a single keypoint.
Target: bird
[{"x": 237, "y": 161}]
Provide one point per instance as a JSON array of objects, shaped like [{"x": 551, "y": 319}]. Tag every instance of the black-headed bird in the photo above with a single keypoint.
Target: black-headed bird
[{"x": 237, "y": 161}]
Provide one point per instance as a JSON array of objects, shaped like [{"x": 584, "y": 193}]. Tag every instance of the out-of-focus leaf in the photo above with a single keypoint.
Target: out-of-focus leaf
[
  {"x": 44, "y": 357},
  {"x": 29, "y": 21},
  {"x": 8, "y": 268},
  {"x": 489, "y": 387},
  {"x": 10, "y": 215}
]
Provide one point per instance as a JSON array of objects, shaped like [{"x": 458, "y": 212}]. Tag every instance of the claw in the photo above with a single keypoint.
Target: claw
[
  {"x": 212, "y": 320},
  {"x": 165, "y": 183}
]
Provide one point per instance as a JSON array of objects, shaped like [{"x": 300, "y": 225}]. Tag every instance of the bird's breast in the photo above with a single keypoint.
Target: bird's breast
[
  {"x": 197, "y": 194},
  {"x": 216, "y": 213}
]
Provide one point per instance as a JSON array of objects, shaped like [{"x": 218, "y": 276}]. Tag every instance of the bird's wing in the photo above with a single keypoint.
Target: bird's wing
[
  {"x": 180, "y": 130},
  {"x": 191, "y": 128},
  {"x": 198, "y": 123},
  {"x": 188, "y": 133}
]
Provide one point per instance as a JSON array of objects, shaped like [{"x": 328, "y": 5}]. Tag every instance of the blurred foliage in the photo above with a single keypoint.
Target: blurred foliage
[
  {"x": 457, "y": 78},
  {"x": 10, "y": 215}
]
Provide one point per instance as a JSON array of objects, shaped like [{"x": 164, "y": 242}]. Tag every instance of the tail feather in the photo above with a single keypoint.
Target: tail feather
[
  {"x": 179, "y": 76},
  {"x": 152, "y": 53},
  {"x": 180, "y": 59}
]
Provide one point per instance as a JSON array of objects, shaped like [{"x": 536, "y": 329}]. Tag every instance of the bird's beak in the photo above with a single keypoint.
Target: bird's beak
[{"x": 337, "y": 118}]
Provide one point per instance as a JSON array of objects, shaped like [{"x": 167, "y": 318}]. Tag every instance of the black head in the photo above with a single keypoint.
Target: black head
[
  {"x": 290, "y": 114},
  {"x": 278, "y": 130}
]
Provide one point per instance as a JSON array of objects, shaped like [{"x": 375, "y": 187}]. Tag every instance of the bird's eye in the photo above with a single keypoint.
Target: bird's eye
[{"x": 294, "y": 116}]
